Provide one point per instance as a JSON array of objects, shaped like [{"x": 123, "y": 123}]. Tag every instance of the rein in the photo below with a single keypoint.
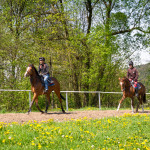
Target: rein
[
  {"x": 35, "y": 76},
  {"x": 125, "y": 86}
]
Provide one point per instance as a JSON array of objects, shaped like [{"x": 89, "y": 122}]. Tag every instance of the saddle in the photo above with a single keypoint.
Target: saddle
[
  {"x": 138, "y": 85},
  {"x": 49, "y": 81}
]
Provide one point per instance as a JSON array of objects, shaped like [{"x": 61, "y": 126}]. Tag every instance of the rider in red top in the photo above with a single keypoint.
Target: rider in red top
[{"x": 132, "y": 75}]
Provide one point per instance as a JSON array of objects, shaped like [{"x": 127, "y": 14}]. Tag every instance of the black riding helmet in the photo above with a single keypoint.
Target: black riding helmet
[
  {"x": 41, "y": 59},
  {"x": 131, "y": 63}
]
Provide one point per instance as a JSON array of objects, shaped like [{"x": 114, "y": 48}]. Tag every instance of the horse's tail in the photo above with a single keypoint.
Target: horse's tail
[
  {"x": 144, "y": 98},
  {"x": 62, "y": 97}
]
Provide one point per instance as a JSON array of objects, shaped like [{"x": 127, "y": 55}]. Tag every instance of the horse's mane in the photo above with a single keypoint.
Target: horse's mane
[
  {"x": 126, "y": 80},
  {"x": 31, "y": 65}
]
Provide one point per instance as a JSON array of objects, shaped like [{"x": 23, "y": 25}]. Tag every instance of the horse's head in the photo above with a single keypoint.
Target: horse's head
[
  {"x": 124, "y": 83},
  {"x": 29, "y": 70}
]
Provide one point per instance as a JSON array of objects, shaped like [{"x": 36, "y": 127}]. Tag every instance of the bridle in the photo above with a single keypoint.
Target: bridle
[
  {"x": 27, "y": 72},
  {"x": 122, "y": 85}
]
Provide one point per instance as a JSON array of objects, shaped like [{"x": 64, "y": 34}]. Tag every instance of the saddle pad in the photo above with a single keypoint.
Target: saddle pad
[
  {"x": 49, "y": 81},
  {"x": 138, "y": 86}
]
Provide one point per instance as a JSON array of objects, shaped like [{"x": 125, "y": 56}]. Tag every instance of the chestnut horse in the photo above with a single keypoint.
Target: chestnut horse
[
  {"x": 129, "y": 91},
  {"x": 37, "y": 88}
]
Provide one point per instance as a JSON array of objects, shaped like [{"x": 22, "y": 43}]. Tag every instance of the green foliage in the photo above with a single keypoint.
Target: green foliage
[
  {"x": 144, "y": 75},
  {"x": 85, "y": 43}
]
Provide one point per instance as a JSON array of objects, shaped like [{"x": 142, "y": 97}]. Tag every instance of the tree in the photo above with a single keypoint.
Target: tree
[{"x": 85, "y": 42}]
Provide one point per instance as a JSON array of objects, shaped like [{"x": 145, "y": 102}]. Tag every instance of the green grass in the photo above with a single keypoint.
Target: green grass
[{"x": 113, "y": 133}]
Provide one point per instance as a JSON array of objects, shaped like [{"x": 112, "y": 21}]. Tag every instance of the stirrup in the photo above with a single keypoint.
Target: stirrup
[
  {"x": 50, "y": 81},
  {"x": 45, "y": 91}
]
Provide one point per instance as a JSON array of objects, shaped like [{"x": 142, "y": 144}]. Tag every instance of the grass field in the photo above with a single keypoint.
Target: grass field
[{"x": 115, "y": 133}]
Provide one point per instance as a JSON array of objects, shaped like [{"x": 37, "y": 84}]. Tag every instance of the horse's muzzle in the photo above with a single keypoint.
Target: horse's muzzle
[{"x": 25, "y": 75}]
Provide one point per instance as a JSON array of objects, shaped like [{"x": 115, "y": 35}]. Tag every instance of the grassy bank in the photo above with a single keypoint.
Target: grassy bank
[{"x": 124, "y": 133}]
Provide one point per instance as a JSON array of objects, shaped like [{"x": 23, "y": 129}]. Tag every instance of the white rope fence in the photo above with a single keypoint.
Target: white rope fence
[{"x": 98, "y": 92}]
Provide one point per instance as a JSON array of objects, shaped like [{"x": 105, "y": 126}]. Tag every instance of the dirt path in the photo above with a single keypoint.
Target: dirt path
[{"x": 58, "y": 116}]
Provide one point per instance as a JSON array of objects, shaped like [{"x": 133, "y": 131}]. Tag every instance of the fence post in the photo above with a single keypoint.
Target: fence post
[
  {"x": 99, "y": 98},
  {"x": 29, "y": 98},
  {"x": 66, "y": 101}
]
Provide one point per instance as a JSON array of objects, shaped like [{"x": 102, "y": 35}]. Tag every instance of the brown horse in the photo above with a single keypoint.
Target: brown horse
[
  {"x": 129, "y": 91},
  {"x": 37, "y": 88}
]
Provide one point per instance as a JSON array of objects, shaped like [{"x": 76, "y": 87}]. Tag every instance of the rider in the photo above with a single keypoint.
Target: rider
[
  {"x": 132, "y": 75},
  {"x": 44, "y": 71}
]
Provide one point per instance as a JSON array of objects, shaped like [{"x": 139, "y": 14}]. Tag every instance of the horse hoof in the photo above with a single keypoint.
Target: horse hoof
[{"x": 28, "y": 113}]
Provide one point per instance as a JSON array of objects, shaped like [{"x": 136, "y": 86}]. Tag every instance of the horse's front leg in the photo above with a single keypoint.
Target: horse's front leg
[
  {"x": 123, "y": 97},
  {"x": 30, "y": 106},
  {"x": 132, "y": 104},
  {"x": 34, "y": 97}
]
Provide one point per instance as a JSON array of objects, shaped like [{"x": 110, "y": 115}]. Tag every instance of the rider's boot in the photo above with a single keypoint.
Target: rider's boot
[{"x": 45, "y": 91}]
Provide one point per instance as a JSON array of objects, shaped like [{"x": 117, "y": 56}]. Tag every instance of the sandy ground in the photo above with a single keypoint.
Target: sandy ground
[{"x": 58, "y": 116}]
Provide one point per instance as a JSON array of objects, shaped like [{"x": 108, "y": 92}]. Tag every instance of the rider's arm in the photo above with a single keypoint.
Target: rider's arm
[
  {"x": 136, "y": 77},
  {"x": 128, "y": 74},
  {"x": 39, "y": 70},
  {"x": 46, "y": 69}
]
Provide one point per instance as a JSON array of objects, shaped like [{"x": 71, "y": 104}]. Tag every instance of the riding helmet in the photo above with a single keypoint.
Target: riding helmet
[
  {"x": 41, "y": 59},
  {"x": 131, "y": 63}
]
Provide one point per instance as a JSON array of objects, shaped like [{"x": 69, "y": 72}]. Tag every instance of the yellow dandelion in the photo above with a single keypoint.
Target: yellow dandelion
[
  {"x": 39, "y": 146},
  {"x": 109, "y": 121},
  {"x": 3, "y": 141},
  {"x": 32, "y": 143},
  {"x": 47, "y": 133}
]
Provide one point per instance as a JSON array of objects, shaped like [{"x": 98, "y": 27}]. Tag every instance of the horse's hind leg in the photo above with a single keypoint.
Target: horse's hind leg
[
  {"x": 142, "y": 108},
  {"x": 60, "y": 100},
  {"x": 142, "y": 103},
  {"x": 47, "y": 102},
  {"x": 138, "y": 103},
  {"x": 137, "y": 107},
  {"x": 140, "y": 98},
  {"x": 36, "y": 101}
]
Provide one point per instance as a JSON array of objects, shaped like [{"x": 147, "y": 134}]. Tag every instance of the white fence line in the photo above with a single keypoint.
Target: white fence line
[{"x": 98, "y": 92}]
